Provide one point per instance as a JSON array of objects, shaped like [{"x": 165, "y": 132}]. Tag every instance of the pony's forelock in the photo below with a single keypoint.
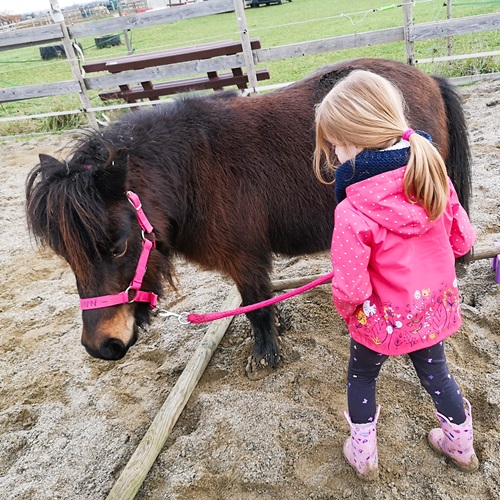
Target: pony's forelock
[{"x": 65, "y": 211}]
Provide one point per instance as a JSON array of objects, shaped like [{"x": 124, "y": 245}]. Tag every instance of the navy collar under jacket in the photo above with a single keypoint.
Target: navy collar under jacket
[{"x": 369, "y": 163}]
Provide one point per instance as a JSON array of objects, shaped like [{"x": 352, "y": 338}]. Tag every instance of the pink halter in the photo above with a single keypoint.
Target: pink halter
[{"x": 135, "y": 284}]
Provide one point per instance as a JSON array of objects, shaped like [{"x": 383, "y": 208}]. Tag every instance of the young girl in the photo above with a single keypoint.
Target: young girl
[{"x": 398, "y": 228}]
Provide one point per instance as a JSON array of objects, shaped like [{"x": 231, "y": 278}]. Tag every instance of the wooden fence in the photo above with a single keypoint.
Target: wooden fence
[{"x": 59, "y": 32}]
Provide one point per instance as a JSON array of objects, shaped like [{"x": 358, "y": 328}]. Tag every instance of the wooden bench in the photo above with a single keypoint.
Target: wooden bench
[
  {"x": 153, "y": 91},
  {"x": 218, "y": 82}
]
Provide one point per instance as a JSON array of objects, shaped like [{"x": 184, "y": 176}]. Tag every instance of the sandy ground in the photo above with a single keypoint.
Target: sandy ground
[{"x": 69, "y": 423}]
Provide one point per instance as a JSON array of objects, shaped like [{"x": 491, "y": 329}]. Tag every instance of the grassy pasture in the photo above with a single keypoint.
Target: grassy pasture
[{"x": 300, "y": 20}]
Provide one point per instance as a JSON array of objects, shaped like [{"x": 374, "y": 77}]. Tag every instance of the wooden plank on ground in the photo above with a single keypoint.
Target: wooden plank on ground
[
  {"x": 289, "y": 283},
  {"x": 136, "y": 470}
]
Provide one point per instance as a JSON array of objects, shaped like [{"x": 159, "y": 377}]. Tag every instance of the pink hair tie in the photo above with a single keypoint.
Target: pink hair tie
[{"x": 407, "y": 133}]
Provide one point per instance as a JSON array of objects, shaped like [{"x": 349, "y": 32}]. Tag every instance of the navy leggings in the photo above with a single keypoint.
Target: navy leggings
[{"x": 432, "y": 370}]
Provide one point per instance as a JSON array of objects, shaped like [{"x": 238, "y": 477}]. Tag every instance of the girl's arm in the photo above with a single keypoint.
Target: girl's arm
[
  {"x": 462, "y": 234},
  {"x": 350, "y": 254}
]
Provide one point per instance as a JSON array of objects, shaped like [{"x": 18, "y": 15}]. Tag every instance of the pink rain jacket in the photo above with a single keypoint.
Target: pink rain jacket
[{"x": 394, "y": 270}]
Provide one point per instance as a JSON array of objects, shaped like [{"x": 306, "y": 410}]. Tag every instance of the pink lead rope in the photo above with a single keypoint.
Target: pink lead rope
[{"x": 205, "y": 318}]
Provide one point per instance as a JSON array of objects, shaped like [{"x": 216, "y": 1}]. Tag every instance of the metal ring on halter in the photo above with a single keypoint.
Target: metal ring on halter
[
  {"x": 126, "y": 291},
  {"x": 153, "y": 237}
]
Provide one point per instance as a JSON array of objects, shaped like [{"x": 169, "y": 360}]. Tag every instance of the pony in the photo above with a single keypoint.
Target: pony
[{"x": 224, "y": 180}]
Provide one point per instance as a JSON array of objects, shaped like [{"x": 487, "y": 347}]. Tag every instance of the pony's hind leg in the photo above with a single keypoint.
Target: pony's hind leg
[{"x": 265, "y": 355}]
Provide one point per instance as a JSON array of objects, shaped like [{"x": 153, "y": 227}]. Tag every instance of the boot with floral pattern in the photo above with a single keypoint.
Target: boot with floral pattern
[
  {"x": 456, "y": 441},
  {"x": 360, "y": 449}
]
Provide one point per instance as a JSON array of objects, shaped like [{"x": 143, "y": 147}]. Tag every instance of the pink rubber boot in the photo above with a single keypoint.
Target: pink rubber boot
[
  {"x": 360, "y": 449},
  {"x": 456, "y": 441}
]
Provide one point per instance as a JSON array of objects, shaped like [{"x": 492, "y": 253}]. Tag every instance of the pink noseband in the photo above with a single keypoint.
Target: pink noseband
[{"x": 135, "y": 285}]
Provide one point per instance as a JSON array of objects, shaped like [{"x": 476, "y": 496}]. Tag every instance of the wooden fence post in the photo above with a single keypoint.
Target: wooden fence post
[
  {"x": 130, "y": 50},
  {"x": 239, "y": 9},
  {"x": 58, "y": 17},
  {"x": 408, "y": 29}
]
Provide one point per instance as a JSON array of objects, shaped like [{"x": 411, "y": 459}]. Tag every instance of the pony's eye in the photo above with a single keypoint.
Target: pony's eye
[{"x": 120, "y": 250}]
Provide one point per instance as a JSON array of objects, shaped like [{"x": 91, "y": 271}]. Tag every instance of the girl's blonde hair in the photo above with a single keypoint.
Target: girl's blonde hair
[{"x": 366, "y": 111}]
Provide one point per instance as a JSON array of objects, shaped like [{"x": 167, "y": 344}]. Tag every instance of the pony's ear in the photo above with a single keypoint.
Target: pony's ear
[
  {"x": 110, "y": 179},
  {"x": 51, "y": 167},
  {"x": 47, "y": 160}
]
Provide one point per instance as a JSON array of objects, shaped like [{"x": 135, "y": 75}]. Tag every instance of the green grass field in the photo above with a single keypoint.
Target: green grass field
[{"x": 300, "y": 20}]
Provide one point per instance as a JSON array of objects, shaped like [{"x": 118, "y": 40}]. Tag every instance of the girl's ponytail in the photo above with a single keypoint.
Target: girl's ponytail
[{"x": 426, "y": 180}]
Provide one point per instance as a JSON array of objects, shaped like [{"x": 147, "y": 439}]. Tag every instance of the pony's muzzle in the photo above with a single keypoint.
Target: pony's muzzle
[
  {"x": 111, "y": 336},
  {"x": 110, "y": 349}
]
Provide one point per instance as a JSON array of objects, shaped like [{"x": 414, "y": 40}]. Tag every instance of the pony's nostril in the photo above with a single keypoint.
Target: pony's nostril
[{"x": 113, "y": 349}]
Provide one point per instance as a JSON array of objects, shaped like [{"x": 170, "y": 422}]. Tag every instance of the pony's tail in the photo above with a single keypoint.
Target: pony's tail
[{"x": 459, "y": 160}]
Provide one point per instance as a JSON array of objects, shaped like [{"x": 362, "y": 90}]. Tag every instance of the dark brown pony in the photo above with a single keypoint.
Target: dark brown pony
[{"x": 227, "y": 181}]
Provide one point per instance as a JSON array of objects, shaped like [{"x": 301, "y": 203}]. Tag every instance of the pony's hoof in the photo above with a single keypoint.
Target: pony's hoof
[{"x": 257, "y": 370}]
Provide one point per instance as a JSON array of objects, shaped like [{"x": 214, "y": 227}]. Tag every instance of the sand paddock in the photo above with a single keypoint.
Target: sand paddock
[{"x": 69, "y": 423}]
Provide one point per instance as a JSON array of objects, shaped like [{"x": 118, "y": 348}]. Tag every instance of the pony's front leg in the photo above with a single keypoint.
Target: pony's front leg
[{"x": 265, "y": 355}]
